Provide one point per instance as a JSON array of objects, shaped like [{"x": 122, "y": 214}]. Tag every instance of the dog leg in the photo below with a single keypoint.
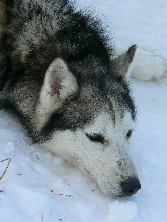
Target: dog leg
[{"x": 146, "y": 65}]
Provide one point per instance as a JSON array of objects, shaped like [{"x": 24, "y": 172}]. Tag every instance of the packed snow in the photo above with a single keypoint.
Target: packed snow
[{"x": 41, "y": 187}]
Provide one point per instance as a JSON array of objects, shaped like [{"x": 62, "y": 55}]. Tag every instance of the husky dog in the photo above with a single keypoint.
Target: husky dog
[{"x": 59, "y": 76}]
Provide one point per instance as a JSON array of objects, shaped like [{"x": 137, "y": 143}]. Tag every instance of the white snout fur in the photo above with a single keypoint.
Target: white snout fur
[{"x": 99, "y": 160}]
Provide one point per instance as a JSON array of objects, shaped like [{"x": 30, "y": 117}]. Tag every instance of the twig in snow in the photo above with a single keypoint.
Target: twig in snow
[
  {"x": 9, "y": 160},
  {"x": 59, "y": 194}
]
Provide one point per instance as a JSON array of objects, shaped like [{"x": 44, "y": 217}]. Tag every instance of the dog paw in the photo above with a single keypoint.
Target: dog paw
[{"x": 148, "y": 66}]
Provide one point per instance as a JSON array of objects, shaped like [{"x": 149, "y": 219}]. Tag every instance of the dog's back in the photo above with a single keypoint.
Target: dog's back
[
  {"x": 32, "y": 34},
  {"x": 24, "y": 27}
]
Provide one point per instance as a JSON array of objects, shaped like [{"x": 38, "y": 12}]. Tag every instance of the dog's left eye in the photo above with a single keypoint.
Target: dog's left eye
[
  {"x": 98, "y": 138},
  {"x": 129, "y": 133}
]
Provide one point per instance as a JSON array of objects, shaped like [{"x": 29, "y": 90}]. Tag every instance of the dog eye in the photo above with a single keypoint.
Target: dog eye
[
  {"x": 129, "y": 133},
  {"x": 98, "y": 138}
]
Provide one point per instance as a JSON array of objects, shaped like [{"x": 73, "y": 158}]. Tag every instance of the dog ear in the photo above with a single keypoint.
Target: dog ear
[
  {"x": 120, "y": 67},
  {"x": 59, "y": 81},
  {"x": 59, "y": 85}
]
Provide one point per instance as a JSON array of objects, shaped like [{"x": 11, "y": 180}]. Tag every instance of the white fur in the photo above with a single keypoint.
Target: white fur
[
  {"x": 99, "y": 160},
  {"x": 146, "y": 65}
]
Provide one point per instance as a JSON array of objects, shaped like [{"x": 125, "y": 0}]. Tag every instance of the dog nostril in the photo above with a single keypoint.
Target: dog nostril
[{"x": 130, "y": 187}]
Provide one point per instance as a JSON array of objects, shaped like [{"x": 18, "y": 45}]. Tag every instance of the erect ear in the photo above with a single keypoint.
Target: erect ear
[
  {"x": 59, "y": 84},
  {"x": 120, "y": 67}
]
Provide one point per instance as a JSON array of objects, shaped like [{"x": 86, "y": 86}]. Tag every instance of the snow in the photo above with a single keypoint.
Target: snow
[
  {"x": 39, "y": 186},
  {"x": 127, "y": 211}
]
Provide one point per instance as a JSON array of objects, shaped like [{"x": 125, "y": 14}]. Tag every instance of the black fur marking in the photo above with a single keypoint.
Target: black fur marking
[
  {"x": 80, "y": 41},
  {"x": 129, "y": 133}
]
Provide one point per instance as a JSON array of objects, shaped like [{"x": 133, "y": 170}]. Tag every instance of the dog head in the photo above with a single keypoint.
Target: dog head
[{"x": 88, "y": 119}]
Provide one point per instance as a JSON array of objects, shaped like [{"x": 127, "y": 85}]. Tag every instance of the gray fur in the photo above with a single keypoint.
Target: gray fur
[{"x": 56, "y": 72}]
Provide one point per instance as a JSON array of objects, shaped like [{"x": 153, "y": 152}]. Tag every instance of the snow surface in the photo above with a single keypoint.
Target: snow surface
[{"x": 41, "y": 187}]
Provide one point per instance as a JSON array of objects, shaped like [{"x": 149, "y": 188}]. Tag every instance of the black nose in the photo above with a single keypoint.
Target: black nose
[{"x": 130, "y": 187}]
